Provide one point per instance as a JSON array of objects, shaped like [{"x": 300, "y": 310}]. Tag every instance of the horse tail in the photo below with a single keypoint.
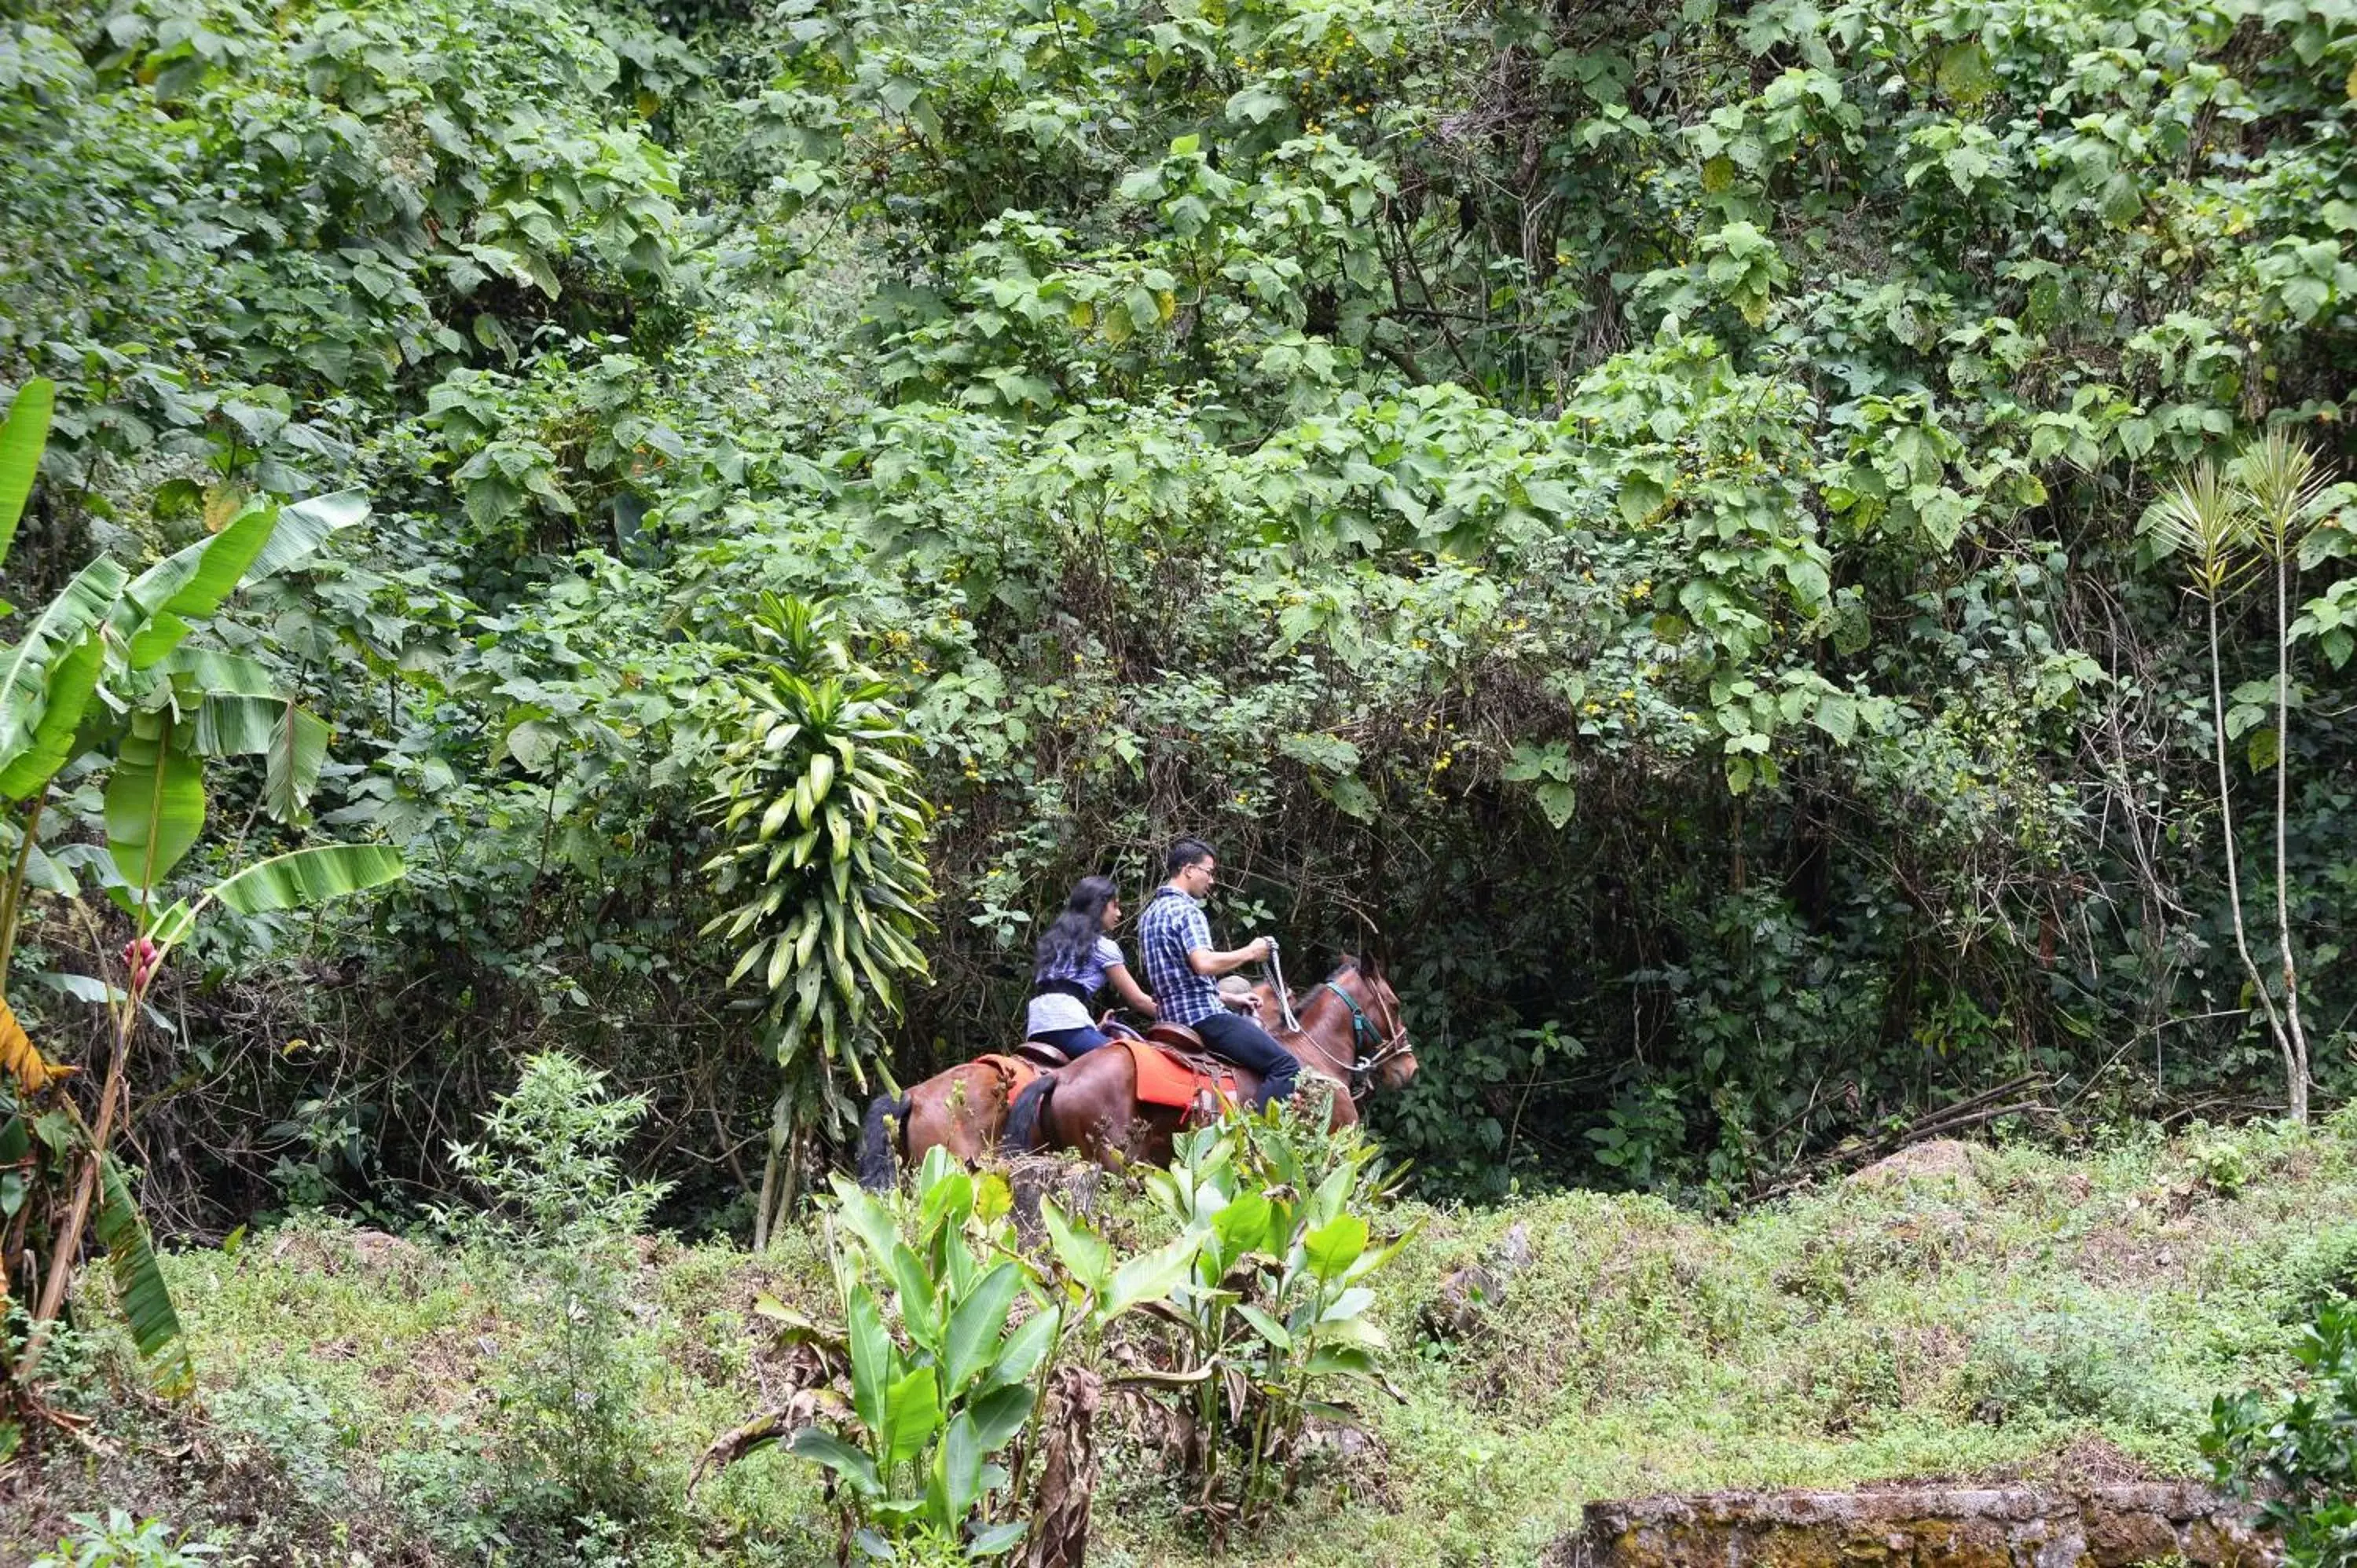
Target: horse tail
[
  {"x": 879, "y": 1146},
  {"x": 1022, "y": 1134}
]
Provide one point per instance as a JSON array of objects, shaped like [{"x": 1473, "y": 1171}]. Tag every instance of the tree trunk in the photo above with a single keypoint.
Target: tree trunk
[
  {"x": 2295, "y": 1062},
  {"x": 2233, "y": 865}
]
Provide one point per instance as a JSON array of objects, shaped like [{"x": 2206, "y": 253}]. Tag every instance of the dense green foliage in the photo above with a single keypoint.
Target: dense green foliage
[{"x": 1631, "y": 512}]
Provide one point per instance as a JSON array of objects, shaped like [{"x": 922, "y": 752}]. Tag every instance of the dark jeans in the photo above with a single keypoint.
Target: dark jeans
[
  {"x": 1246, "y": 1044},
  {"x": 1074, "y": 1042}
]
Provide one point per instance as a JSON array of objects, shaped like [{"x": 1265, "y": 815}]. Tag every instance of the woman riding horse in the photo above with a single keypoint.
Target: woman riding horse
[
  {"x": 1352, "y": 1035},
  {"x": 1076, "y": 960},
  {"x": 965, "y": 1109}
]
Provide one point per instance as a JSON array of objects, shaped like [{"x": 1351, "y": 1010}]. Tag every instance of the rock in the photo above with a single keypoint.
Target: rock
[
  {"x": 2110, "y": 1526},
  {"x": 1469, "y": 1294},
  {"x": 1465, "y": 1298}
]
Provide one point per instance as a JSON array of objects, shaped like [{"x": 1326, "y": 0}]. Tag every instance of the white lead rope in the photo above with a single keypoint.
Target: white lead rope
[{"x": 1284, "y": 996}]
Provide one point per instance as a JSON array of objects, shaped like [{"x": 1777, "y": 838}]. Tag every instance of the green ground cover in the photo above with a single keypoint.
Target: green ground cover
[{"x": 1972, "y": 1312}]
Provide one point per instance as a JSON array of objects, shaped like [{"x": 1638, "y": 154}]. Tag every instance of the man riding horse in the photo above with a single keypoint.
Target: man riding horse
[{"x": 1182, "y": 969}]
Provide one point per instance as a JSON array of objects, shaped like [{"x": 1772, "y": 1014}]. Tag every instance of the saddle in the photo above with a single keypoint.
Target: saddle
[{"x": 1187, "y": 1080}]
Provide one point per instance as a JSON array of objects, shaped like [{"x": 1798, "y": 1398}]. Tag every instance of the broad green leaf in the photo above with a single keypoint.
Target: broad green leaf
[
  {"x": 303, "y": 878},
  {"x": 1345, "y": 1360},
  {"x": 303, "y": 528},
  {"x": 949, "y": 1199},
  {"x": 1000, "y": 1413},
  {"x": 291, "y": 772},
  {"x": 1082, "y": 1250},
  {"x": 1557, "y": 802},
  {"x": 1240, "y": 1228},
  {"x": 65, "y": 622},
  {"x": 1268, "y": 1328},
  {"x": 871, "y": 1362},
  {"x": 912, "y": 1413},
  {"x": 154, "y": 802},
  {"x": 998, "y": 1538},
  {"x": 216, "y": 674},
  {"x": 869, "y": 1220},
  {"x": 972, "y": 1342},
  {"x": 957, "y": 1470},
  {"x": 153, "y": 612},
  {"x": 826, "y": 1449},
  {"x": 1023, "y": 1350},
  {"x": 236, "y": 725},
  {"x": 1149, "y": 1276},
  {"x": 139, "y": 1282},
  {"x": 918, "y": 1294},
  {"x": 21, "y": 440},
  {"x": 1335, "y": 1245},
  {"x": 65, "y": 697}
]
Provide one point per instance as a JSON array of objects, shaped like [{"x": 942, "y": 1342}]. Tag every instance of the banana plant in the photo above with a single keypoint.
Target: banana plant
[
  {"x": 105, "y": 677},
  {"x": 825, "y": 869}
]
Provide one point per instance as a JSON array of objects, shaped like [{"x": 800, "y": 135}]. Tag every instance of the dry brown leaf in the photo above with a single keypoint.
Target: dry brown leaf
[{"x": 21, "y": 1059}]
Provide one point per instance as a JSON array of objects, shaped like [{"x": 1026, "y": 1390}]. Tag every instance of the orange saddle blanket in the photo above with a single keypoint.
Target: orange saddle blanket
[{"x": 1164, "y": 1079}]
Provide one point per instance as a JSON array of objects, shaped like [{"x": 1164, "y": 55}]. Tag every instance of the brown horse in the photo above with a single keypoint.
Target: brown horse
[
  {"x": 964, "y": 1109},
  {"x": 1351, "y": 1035}
]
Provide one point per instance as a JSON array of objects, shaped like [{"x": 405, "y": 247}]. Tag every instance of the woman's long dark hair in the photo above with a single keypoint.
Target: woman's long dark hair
[{"x": 1074, "y": 933}]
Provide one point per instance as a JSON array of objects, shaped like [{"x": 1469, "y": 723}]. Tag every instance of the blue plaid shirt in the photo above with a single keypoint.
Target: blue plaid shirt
[{"x": 1172, "y": 927}]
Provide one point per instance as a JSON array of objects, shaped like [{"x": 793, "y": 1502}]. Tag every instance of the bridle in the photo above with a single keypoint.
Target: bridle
[
  {"x": 1362, "y": 1029},
  {"x": 1363, "y": 1033}
]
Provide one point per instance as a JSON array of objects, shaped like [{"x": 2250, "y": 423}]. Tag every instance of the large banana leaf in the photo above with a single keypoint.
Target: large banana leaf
[
  {"x": 192, "y": 584},
  {"x": 303, "y": 528},
  {"x": 295, "y": 741},
  {"x": 296, "y": 753},
  {"x": 219, "y": 674},
  {"x": 154, "y": 802},
  {"x": 65, "y": 697},
  {"x": 146, "y": 1300},
  {"x": 21, "y": 440},
  {"x": 188, "y": 583},
  {"x": 302, "y": 877},
  {"x": 93, "y": 594}
]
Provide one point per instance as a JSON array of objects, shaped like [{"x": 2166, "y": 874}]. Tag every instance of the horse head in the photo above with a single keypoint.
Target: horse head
[{"x": 1385, "y": 1058}]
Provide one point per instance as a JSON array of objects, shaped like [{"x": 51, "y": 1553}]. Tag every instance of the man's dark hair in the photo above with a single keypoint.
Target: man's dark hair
[{"x": 1187, "y": 853}]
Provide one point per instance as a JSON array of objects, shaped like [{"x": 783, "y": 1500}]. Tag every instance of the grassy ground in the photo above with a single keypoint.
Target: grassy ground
[{"x": 1975, "y": 1312}]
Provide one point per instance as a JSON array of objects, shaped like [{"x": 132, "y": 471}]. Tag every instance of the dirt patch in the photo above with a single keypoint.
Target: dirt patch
[{"x": 1934, "y": 1159}]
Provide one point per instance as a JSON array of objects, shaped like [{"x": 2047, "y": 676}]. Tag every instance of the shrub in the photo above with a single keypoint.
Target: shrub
[
  {"x": 115, "y": 1542},
  {"x": 554, "y": 1241},
  {"x": 2302, "y": 1455}
]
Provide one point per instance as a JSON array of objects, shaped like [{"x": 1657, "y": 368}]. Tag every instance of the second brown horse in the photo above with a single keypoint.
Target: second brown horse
[{"x": 1351, "y": 1035}]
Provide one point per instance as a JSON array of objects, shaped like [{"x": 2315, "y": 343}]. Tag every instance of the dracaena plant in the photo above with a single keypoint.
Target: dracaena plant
[
  {"x": 824, "y": 869},
  {"x": 107, "y": 685},
  {"x": 1273, "y": 1316}
]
